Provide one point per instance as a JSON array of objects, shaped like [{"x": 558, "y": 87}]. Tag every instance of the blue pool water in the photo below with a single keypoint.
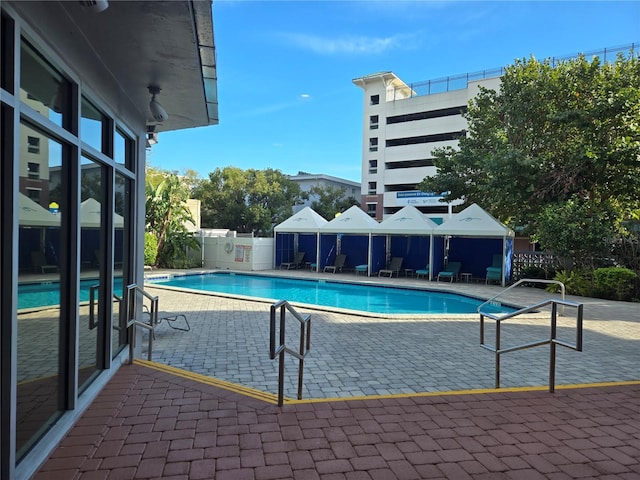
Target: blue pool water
[
  {"x": 368, "y": 298},
  {"x": 44, "y": 294}
]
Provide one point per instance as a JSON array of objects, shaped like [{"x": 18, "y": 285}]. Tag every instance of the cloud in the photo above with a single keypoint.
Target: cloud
[
  {"x": 348, "y": 44},
  {"x": 305, "y": 96}
]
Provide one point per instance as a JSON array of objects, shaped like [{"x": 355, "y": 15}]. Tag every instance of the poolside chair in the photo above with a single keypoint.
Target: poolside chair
[
  {"x": 362, "y": 269},
  {"x": 39, "y": 261},
  {"x": 451, "y": 271},
  {"x": 393, "y": 267},
  {"x": 494, "y": 272},
  {"x": 423, "y": 272},
  {"x": 296, "y": 263},
  {"x": 170, "y": 317},
  {"x": 337, "y": 265}
]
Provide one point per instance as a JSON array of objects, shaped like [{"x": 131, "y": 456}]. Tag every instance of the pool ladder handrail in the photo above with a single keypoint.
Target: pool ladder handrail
[
  {"x": 281, "y": 349},
  {"x": 520, "y": 282},
  {"x": 133, "y": 294},
  {"x": 552, "y": 340},
  {"x": 92, "y": 302}
]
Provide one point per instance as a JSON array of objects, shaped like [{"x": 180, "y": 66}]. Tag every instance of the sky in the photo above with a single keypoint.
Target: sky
[{"x": 285, "y": 69}]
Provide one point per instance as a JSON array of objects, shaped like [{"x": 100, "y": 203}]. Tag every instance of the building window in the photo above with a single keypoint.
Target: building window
[
  {"x": 373, "y": 166},
  {"x": 33, "y": 145},
  {"x": 371, "y": 209},
  {"x": 33, "y": 170},
  {"x": 373, "y": 122},
  {"x": 375, "y": 100},
  {"x": 373, "y": 144},
  {"x": 34, "y": 194},
  {"x": 437, "y": 137},
  {"x": 373, "y": 187}
]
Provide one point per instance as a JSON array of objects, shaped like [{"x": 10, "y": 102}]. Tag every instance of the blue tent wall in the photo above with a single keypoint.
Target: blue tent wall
[
  {"x": 356, "y": 248},
  {"x": 378, "y": 253},
  {"x": 413, "y": 249},
  {"x": 475, "y": 254},
  {"x": 438, "y": 256},
  {"x": 285, "y": 247},
  {"x": 308, "y": 243},
  {"x": 328, "y": 245},
  {"x": 29, "y": 240}
]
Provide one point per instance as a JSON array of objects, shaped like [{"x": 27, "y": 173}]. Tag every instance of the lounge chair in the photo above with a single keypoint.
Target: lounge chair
[
  {"x": 296, "y": 263},
  {"x": 362, "y": 269},
  {"x": 451, "y": 271},
  {"x": 393, "y": 267},
  {"x": 337, "y": 265},
  {"x": 423, "y": 272},
  {"x": 39, "y": 261},
  {"x": 494, "y": 272}
]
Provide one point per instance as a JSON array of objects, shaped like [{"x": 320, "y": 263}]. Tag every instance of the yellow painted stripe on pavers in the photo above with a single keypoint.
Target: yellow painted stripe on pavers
[
  {"x": 272, "y": 398},
  {"x": 211, "y": 381}
]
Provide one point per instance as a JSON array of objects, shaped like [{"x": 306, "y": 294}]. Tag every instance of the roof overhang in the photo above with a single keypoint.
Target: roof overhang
[{"x": 137, "y": 44}]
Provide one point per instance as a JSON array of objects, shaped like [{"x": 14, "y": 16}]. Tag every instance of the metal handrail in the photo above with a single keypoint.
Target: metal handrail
[
  {"x": 552, "y": 341},
  {"x": 520, "y": 282},
  {"x": 92, "y": 301},
  {"x": 281, "y": 349},
  {"x": 132, "y": 308}
]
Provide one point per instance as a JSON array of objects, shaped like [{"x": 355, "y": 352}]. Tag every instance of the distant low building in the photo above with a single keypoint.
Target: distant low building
[{"x": 309, "y": 180}]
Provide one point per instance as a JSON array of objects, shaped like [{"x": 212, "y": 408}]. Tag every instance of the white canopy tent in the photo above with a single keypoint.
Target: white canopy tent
[
  {"x": 409, "y": 221},
  {"x": 90, "y": 215},
  {"x": 354, "y": 221},
  {"x": 32, "y": 214},
  {"x": 306, "y": 220},
  {"x": 474, "y": 221}
]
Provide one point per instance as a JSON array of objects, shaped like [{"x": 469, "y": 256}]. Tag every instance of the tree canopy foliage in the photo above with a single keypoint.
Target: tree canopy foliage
[
  {"x": 248, "y": 201},
  {"x": 331, "y": 200},
  {"x": 554, "y": 142}
]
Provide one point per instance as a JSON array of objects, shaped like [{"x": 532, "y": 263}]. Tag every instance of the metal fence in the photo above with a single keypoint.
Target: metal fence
[
  {"x": 522, "y": 261},
  {"x": 460, "y": 82}
]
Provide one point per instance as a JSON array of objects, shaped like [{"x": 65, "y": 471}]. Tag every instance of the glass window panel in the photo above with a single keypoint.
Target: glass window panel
[
  {"x": 92, "y": 124},
  {"x": 39, "y": 251},
  {"x": 120, "y": 149},
  {"x": 91, "y": 234},
  {"x": 6, "y": 53},
  {"x": 121, "y": 261},
  {"x": 42, "y": 87}
]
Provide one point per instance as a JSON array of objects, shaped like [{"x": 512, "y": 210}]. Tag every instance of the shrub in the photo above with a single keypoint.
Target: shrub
[
  {"x": 150, "y": 248},
  {"x": 576, "y": 282},
  {"x": 615, "y": 283}
]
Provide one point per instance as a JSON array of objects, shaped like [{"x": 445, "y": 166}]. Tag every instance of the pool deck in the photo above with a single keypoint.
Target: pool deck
[{"x": 383, "y": 398}]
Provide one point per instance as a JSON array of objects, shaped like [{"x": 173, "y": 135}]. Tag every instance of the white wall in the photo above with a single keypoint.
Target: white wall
[{"x": 239, "y": 253}]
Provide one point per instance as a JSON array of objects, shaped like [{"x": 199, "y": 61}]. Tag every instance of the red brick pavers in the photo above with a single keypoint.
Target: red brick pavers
[{"x": 151, "y": 424}]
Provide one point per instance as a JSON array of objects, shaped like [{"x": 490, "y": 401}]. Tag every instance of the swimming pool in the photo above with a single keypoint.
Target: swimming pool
[
  {"x": 45, "y": 294},
  {"x": 366, "y": 298}
]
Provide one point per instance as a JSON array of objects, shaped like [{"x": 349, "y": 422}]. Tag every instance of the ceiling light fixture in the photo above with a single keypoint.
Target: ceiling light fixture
[
  {"x": 95, "y": 6},
  {"x": 157, "y": 111}
]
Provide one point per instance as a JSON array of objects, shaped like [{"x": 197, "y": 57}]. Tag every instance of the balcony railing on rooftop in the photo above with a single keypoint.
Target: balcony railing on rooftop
[{"x": 460, "y": 82}]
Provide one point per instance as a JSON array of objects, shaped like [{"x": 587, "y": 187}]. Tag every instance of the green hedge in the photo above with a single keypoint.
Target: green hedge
[{"x": 615, "y": 283}]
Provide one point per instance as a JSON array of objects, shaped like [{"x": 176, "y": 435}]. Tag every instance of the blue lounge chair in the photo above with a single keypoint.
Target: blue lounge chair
[
  {"x": 494, "y": 272},
  {"x": 362, "y": 269},
  {"x": 451, "y": 271},
  {"x": 423, "y": 272}
]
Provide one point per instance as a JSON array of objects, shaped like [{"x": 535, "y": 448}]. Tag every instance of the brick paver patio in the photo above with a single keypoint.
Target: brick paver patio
[{"x": 406, "y": 420}]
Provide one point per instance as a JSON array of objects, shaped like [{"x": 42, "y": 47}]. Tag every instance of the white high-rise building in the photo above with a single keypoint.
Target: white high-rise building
[{"x": 402, "y": 124}]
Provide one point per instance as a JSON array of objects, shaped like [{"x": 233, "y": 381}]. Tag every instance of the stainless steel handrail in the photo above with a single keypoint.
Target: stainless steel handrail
[
  {"x": 520, "y": 282},
  {"x": 133, "y": 291},
  {"x": 281, "y": 349},
  {"x": 552, "y": 340},
  {"x": 92, "y": 302}
]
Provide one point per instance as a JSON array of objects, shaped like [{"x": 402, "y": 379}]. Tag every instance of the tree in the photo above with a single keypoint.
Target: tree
[
  {"x": 550, "y": 136},
  {"x": 166, "y": 214},
  {"x": 248, "y": 201},
  {"x": 331, "y": 200}
]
